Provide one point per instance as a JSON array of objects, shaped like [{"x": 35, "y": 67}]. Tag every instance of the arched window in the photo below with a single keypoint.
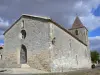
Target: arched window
[
  {"x": 85, "y": 52},
  {"x": 76, "y": 60},
  {"x": 70, "y": 42},
  {"x": 22, "y": 24},
  {"x": 1, "y": 57},
  {"x": 23, "y": 32},
  {"x": 23, "y": 54},
  {"x": 76, "y": 32},
  {"x": 53, "y": 40}
]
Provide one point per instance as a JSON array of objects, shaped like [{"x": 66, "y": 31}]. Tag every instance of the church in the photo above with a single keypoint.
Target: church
[{"x": 41, "y": 43}]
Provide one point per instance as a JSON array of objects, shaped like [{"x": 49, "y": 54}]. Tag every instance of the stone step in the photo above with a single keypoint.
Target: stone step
[
  {"x": 22, "y": 71},
  {"x": 25, "y": 66}
]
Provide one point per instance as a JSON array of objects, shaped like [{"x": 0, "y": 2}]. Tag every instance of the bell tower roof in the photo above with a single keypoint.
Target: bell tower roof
[{"x": 77, "y": 23}]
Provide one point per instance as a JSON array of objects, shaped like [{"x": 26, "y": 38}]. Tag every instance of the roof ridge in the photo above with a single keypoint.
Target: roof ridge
[
  {"x": 44, "y": 17},
  {"x": 47, "y": 19}
]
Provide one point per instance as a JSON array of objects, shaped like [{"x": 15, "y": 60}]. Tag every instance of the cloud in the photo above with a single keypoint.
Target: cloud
[
  {"x": 95, "y": 43},
  {"x": 1, "y": 44},
  {"x": 1, "y": 37},
  {"x": 62, "y": 11},
  {"x": 91, "y": 22},
  {"x": 3, "y": 24}
]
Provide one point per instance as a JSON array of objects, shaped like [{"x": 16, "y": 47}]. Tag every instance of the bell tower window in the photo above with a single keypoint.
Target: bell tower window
[{"x": 76, "y": 32}]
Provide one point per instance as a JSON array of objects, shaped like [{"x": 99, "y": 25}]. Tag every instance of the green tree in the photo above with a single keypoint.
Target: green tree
[{"x": 94, "y": 56}]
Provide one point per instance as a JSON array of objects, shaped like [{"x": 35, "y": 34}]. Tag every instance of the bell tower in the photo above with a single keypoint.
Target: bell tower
[{"x": 79, "y": 30}]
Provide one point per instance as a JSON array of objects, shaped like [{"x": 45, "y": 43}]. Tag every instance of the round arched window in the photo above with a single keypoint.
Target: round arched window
[{"x": 23, "y": 32}]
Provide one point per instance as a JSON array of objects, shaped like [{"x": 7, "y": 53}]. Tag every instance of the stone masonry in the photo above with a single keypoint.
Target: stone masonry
[{"x": 44, "y": 45}]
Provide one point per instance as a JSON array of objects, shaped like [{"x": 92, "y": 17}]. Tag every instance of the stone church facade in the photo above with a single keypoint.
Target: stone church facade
[{"x": 41, "y": 43}]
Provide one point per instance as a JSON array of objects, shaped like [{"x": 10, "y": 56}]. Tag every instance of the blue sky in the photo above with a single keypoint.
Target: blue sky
[
  {"x": 61, "y": 11},
  {"x": 95, "y": 32},
  {"x": 96, "y": 11}
]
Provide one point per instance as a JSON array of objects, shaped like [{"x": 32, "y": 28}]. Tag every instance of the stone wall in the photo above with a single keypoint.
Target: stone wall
[
  {"x": 49, "y": 48},
  {"x": 67, "y": 52},
  {"x": 82, "y": 34},
  {"x": 37, "y": 43},
  {"x": 12, "y": 45}
]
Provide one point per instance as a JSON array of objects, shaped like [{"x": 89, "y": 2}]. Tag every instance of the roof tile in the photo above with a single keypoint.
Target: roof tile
[{"x": 77, "y": 23}]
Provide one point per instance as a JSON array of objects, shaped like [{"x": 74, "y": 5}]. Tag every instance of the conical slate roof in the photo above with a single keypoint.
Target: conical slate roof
[{"x": 77, "y": 23}]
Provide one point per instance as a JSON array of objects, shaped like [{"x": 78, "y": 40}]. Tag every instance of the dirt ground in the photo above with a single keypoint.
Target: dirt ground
[{"x": 85, "y": 72}]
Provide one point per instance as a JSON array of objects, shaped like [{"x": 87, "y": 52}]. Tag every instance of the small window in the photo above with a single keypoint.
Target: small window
[
  {"x": 53, "y": 40},
  {"x": 1, "y": 57},
  {"x": 86, "y": 33},
  {"x": 70, "y": 43},
  {"x": 76, "y": 32},
  {"x": 85, "y": 53},
  {"x": 76, "y": 60},
  {"x": 22, "y": 24},
  {"x": 23, "y": 32}
]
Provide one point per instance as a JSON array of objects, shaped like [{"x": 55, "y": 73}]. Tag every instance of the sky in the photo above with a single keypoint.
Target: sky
[{"x": 61, "y": 11}]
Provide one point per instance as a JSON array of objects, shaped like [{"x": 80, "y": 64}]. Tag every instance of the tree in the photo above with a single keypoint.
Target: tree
[{"x": 94, "y": 56}]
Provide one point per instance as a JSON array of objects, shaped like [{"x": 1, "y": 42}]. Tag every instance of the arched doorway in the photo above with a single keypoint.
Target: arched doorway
[{"x": 23, "y": 55}]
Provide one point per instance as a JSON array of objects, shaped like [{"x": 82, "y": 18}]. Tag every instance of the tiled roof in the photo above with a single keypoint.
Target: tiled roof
[{"x": 77, "y": 23}]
